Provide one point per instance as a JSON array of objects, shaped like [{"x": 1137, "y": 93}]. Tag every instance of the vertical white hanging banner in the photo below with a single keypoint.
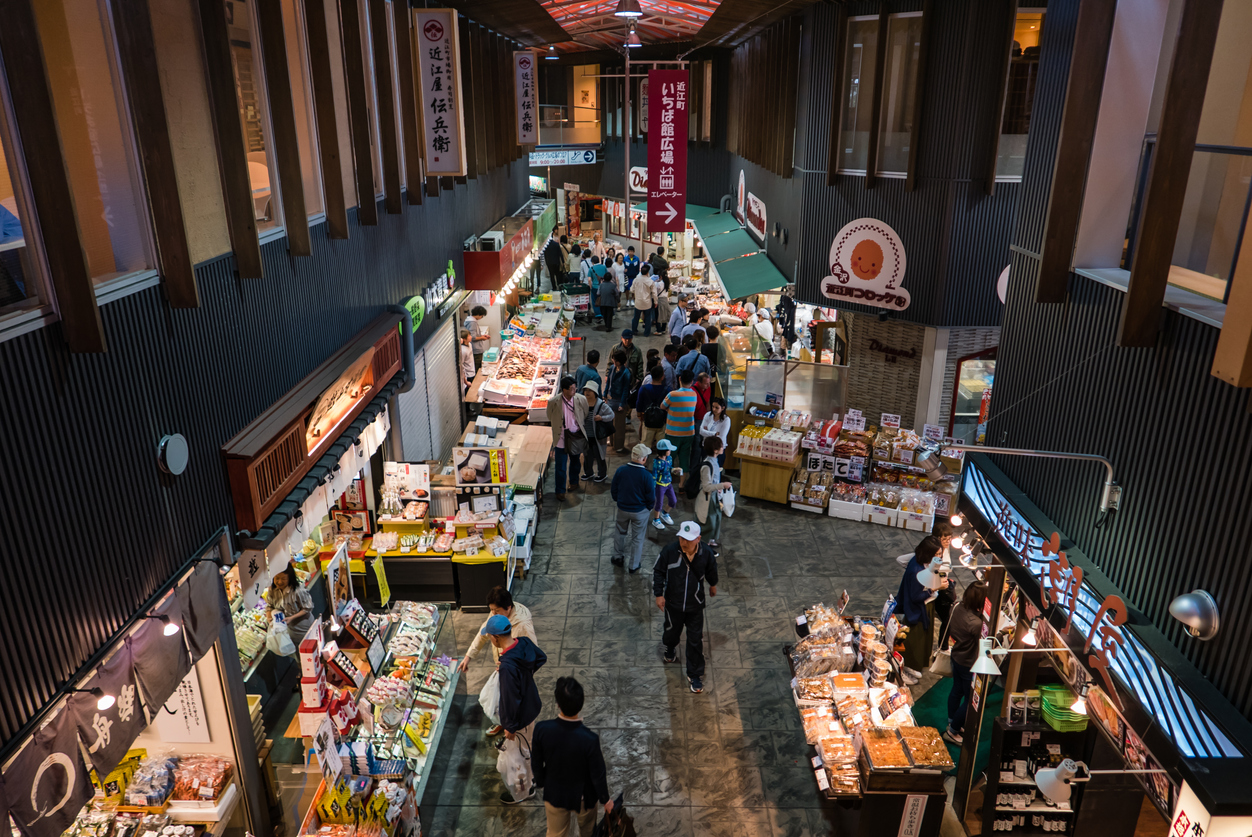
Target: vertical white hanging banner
[
  {"x": 438, "y": 57},
  {"x": 525, "y": 95},
  {"x": 254, "y": 576}
]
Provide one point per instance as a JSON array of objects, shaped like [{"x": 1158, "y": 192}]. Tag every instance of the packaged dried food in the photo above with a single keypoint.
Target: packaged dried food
[
  {"x": 821, "y": 618},
  {"x": 837, "y": 751},
  {"x": 201, "y": 777},
  {"x": 884, "y": 750},
  {"x": 814, "y": 688},
  {"x": 855, "y": 713},
  {"x": 818, "y": 722},
  {"x": 926, "y": 747}
]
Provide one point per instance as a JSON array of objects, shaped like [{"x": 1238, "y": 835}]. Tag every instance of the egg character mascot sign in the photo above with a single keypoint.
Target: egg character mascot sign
[{"x": 867, "y": 266}]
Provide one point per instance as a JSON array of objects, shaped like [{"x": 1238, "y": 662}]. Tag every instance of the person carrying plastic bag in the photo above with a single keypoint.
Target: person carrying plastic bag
[{"x": 519, "y": 706}]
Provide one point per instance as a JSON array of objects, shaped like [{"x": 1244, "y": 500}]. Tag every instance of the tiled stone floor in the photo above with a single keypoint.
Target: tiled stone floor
[{"x": 730, "y": 761}]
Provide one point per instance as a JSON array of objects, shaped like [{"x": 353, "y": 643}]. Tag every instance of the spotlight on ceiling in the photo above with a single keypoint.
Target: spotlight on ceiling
[
  {"x": 1198, "y": 611},
  {"x": 632, "y": 40},
  {"x": 552, "y": 56},
  {"x": 628, "y": 8}
]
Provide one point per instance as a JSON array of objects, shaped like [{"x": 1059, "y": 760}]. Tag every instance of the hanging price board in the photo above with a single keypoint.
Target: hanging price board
[
  {"x": 890, "y": 420},
  {"x": 932, "y": 432},
  {"x": 853, "y": 420}
]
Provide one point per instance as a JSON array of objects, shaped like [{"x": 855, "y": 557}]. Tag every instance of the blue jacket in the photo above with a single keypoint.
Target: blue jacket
[
  {"x": 633, "y": 488},
  {"x": 619, "y": 384},
  {"x": 586, "y": 373},
  {"x": 697, "y": 362},
  {"x": 569, "y": 765},
  {"x": 911, "y": 599},
  {"x": 519, "y": 697},
  {"x": 632, "y": 266},
  {"x": 650, "y": 395}
]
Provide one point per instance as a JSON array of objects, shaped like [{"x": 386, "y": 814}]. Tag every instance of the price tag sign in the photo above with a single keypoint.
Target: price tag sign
[
  {"x": 890, "y": 420},
  {"x": 952, "y": 440},
  {"x": 856, "y": 468},
  {"x": 853, "y": 420},
  {"x": 906, "y": 456},
  {"x": 377, "y": 654},
  {"x": 842, "y": 467},
  {"x": 932, "y": 432}
]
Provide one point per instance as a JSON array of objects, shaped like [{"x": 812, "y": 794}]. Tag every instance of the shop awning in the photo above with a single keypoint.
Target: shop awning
[
  {"x": 749, "y": 275},
  {"x": 716, "y": 225},
  {"x": 728, "y": 245}
]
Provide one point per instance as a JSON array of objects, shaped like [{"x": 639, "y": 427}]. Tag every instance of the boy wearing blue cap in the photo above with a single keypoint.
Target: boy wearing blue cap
[
  {"x": 662, "y": 472},
  {"x": 519, "y": 697}
]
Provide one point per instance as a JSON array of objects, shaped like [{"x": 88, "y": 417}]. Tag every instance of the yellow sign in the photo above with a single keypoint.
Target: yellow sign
[{"x": 384, "y": 589}]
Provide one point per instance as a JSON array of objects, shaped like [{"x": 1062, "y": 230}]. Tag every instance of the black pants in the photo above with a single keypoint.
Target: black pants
[
  {"x": 606, "y": 311},
  {"x": 944, "y": 603},
  {"x": 693, "y": 621},
  {"x": 593, "y": 459}
]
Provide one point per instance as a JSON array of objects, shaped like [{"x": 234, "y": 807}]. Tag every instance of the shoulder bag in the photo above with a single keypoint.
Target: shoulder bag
[{"x": 942, "y": 663}]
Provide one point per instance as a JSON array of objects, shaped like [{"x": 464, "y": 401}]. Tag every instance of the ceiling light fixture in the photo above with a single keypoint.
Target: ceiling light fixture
[
  {"x": 171, "y": 627},
  {"x": 103, "y": 701},
  {"x": 628, "y": 8},
  {"x": 552, "y": 56},
  {"x": 632, "y": 40},
  {"x": 957, "y": 519}
]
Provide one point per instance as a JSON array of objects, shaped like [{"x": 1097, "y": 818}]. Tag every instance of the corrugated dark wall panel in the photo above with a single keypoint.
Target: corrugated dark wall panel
[
  {"x": 784, "y": 198},
  {"x": 1180, "y": 439},
  {"x": 101, "y": 526},
  {"x": 1045, "y": 126}
]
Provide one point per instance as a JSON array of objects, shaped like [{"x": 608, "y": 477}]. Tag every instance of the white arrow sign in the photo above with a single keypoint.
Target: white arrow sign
[{"x": 668, "y": 213}]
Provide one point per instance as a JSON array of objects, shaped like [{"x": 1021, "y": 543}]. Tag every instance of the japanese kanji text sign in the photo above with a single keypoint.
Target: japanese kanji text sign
[
  {"x": 438, "y": 56},
  {"x": 525, "y": 95},
  {"x": 667, "y": 150}
]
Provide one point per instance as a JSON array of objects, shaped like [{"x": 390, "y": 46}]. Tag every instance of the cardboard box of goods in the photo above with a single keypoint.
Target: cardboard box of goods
[
  {"x": 313, "y": 690},
  {"x": 310, "y": 718}
]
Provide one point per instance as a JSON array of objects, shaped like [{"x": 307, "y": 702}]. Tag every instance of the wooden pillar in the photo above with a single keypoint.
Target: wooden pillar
[
  {"x": 919, "y": 97},
  {"x": 410, "y": 126},
  {"x": 880, "y": 65},
  {"x": 358, "y": 111},
  {"x": 1006, "y": 61},
  {"x": 1078, "y": 126},
  {"x": 284, "y": 146},
  {"x": 232, "y": 157},
  {"x": 326, "y": 118},
  {"x": 1167, "y": 178},
  {"x": 1232, "y": 362},
  {"x": 386, "y": 105}
]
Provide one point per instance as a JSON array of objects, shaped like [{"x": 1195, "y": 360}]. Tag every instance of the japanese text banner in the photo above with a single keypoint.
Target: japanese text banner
[
  {"x": 438, "y": 56},
  {"x": 525, "y": 92},
  {"x": 667, "y": 150}
]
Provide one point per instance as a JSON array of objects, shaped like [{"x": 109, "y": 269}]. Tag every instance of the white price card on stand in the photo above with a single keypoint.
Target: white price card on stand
[
  {"x": 932, "y": 432},
  {"x": 890, "y": 420},
  {"x": 856, "y": 468},
  {"x": 853, "y": 420}
]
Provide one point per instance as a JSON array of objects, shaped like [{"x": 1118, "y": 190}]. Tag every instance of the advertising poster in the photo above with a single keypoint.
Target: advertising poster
[{"x": 480, "y": 466}]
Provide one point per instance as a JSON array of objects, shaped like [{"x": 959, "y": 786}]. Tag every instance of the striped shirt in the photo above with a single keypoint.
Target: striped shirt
[{"x": 681, "y": 404}]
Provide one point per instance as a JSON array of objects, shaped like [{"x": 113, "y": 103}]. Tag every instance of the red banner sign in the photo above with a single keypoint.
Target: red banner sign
[{"x": 667, "y": 150}]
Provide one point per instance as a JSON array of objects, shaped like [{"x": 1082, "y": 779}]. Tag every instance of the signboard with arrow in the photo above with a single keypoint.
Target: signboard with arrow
[{"x": 667, "y": 150}]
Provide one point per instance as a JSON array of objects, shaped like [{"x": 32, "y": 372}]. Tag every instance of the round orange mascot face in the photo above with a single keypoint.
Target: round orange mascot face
[{"x": 867, "y": 259}]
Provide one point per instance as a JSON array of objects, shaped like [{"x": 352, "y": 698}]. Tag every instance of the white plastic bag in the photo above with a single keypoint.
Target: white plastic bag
[
  {"x": 489, "y": 697},
  {"x": 278, "y": 639},
  {"x": 514, "y": 766},
  {"x": 728, "y": 502}
]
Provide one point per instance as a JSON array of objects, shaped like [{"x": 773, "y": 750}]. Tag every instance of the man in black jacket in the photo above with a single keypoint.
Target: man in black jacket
[
  {"x": 519, "y": 698},
  {"x": 678, "y": 584},
  {"x": 569, "y": 765}
]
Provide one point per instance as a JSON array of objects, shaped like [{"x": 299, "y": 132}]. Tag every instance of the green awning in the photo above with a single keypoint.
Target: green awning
[
  {"x": 694, "y": 211},
  {"x": 728, "y": 245},
  {"x": 749, "y": 275},
  {"x": 716, "y": 225}
]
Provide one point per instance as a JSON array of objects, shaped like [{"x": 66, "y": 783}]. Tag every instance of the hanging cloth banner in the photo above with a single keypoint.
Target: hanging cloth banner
[
  {"x": 161, "y": 661},
  {"x": 47, "y": 784},
  {"x": 667, "y": 151},
  {"x": 525, "y": 96},
  {"x": 108, "y": 734},
  {"x": 202, "y": 599},
  {"x": 443, "y": 116}
]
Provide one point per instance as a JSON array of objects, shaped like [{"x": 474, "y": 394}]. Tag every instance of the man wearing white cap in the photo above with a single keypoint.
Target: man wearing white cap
[
  {"x": 678, "y": 584},
  {"x": 634, "y": 490}
]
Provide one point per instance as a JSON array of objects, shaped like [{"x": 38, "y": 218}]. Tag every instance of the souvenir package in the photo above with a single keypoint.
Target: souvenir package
[
  {"x": 386, "y": 541},
  {"x": 814, "y": 689},
  {"x": 883, "y": 439},
  {"x": 884, "y": 750},
  {"x": 839, "y": 760},
  {"x": 823, "y": 618},
  {"x": 912, "y": 500},
  {"x": 855, "y": 713},
  {"x": 153, "y": 782},
  {"x": 848, "y": 492},
  {"x": 903, "y": 446},
  {"x": 823, "y": 653},
  {"x": 443, "y": 542},
  {"x": 887, "y": 496},
  {"x": 201, "y": 777},
  {"x": 819, "y": 722},
  {"x": 853, "y": 443},
  {"x": 926, "y": 747}
]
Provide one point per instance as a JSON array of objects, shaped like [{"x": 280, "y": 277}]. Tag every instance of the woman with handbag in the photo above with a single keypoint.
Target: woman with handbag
[
  {"x": 567, "y": 413},
  {"x": 708, "y": 500},
  {"x": 599, "y": 427},
  {"x": 618, "y": 388},
  {"x": 964, "y": 631},
  {"x": 915, "y": 607}
]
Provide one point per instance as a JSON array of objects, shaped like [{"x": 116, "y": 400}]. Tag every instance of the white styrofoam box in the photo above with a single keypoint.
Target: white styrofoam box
[
  {"x": 807, "y": 507},
  {"x": 846, "y": 511},
  {"x": 915, "y": 521},
  {"x": 880, "y": 515}
]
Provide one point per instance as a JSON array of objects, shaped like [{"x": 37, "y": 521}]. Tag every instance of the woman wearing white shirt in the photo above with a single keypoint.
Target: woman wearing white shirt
[
  {"x": 597, "y": 246},
  {"x": 765, "y": 328},
  {"x": 618, "y": 269},
  {"x": 716, "y": 423}
]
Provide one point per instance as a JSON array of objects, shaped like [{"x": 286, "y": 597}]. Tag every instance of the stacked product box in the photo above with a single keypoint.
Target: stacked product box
[{"x": 312, "y": 709}]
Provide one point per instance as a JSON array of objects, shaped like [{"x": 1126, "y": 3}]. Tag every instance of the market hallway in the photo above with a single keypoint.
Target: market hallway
[{"x": 730, "y": 761}]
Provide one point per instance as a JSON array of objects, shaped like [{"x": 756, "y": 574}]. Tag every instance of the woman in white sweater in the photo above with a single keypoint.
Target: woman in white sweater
[{"x": 716, "y": 423}]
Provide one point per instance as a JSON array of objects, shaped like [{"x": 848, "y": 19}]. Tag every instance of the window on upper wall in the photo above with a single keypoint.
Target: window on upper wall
[
  {"x": 99, "y": 150},
  {"x": 856, "y": 103},
  {"x": 245, "y": 53},
  {"x": 1019, "y": 94},
  {"x": 904, "y": 44},
  {"x": 302, "y": 104},
  {"x": 706, "y": 103},
  {"x": 20, "y": 284},
  {"x": 371, "y": 94}
]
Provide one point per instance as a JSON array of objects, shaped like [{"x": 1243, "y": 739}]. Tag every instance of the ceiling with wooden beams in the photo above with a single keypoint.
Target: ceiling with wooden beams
[{"x": 591, "y": 24}]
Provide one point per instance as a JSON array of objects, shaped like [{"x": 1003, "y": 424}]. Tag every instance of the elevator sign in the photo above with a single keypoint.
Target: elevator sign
[{"x": 667, "y": 150}]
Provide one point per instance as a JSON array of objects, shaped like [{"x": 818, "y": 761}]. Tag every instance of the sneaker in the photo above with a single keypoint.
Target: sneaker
[
  {"x": 911, "y": 679},
  {"x": 634, "y": 570},
  {"x": 496, "y": 730},
  {"x": 657, "y": 524},
  {"x": 696, "y": 686},
  {"x": 669, "y": 521},
  {"x": 507, "y": 798},
  {"x": 601, "y": 477},
  {"x": 912, "y": 672},
  {"x": 617, "y": 562},
  {"x": 953, "y": 736},
  {"x": 670, "y": 657}
]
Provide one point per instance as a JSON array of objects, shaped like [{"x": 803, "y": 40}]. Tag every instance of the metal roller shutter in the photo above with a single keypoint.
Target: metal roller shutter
[
  {"x": 443, "y": 389},
  {"x": 414, "y": 415}
]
